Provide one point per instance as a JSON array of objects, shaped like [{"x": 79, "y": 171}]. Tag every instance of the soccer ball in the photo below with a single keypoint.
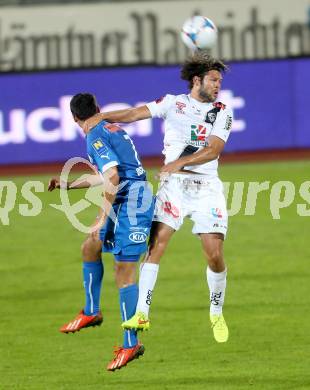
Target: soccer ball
[{"x": 199, "y": 32}]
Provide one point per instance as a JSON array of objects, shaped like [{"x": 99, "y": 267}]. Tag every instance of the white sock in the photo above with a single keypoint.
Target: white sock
[
  {"x": 147, "y": 280},
  {"x": 217, "y": 286}
]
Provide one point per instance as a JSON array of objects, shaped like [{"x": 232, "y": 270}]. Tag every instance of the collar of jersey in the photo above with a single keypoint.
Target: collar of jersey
[{"x": 96, "y": 126}]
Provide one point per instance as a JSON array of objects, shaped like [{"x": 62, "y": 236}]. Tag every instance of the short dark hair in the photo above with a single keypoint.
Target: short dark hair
[
  {"x": 199, "y": 64},
  {"x": 83, "y": 105}
]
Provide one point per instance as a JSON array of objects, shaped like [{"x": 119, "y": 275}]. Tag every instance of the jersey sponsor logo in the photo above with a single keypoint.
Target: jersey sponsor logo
[
  {"x": 100, "y": 148},
  {"x": 228, "y": 123},
  {"x": 137, "y": 237},
  {"x": 98, "y": 144},
  {"x": 198, "y": 133},
  {"x": 198, "y": 136},
  {"x": 216, "y": 212},
  {"x": 180, "y": 107}
]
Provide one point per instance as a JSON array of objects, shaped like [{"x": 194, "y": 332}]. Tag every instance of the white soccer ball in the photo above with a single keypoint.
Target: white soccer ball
[{"x": 199, "y": 32}]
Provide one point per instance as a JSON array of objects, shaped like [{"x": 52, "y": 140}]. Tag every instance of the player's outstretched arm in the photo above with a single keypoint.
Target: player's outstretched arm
[
  {"x": 210, "y": 152},
  {"x": 85, "y": 181},
  {"x": 127, "y": 115}
]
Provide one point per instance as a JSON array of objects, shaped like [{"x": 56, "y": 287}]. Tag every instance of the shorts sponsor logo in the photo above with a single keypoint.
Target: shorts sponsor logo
[
  {"x": 138, "y": 229},
  {"x": 217, "y": 225},
  {"x": 170, "y": 209},
  {"x": 137, "y": 237},
  {"x": 216, "y": 212}
]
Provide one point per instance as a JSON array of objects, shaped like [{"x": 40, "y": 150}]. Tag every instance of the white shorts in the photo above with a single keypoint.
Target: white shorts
[{"x": 195, "y": 196}]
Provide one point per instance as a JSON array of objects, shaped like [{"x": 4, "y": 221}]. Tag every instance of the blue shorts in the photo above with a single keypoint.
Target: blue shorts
[{"x": 127, "y": 229}]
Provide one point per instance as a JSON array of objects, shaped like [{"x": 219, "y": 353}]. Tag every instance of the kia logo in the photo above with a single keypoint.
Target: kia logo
[{"x": 138, "y": 237}]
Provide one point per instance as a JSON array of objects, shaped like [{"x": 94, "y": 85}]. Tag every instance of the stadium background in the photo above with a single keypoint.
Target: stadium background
[{"x": 128, "y": 53}]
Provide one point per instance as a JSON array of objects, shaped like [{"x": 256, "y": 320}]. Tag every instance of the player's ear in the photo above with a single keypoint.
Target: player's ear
[
  {"x": 75, "y": 118},
  {"x": 196, "y": 80}
]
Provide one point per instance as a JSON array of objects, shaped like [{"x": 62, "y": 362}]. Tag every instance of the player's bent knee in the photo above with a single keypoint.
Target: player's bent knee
[
  {"x": 124, "y": 267},
  {"x": 91, "y": 249},
  {"x": 118, "y": 267}
]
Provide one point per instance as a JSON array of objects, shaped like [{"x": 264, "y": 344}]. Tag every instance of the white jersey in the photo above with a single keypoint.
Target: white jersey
[{"x": 188, "y": 123}]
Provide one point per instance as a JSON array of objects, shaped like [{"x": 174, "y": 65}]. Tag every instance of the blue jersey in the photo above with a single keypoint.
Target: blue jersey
[
  {"x": 125, "y": 235},
  {"x": 108, "y": 145}
]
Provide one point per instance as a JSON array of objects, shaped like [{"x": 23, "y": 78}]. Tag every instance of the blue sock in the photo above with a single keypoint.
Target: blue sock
[
  {"x": 92, "y": 276},
  {"x": 128, "y": 297}
]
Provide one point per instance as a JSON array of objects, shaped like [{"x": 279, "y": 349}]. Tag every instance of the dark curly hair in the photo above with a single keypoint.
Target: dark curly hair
[{"x": 199, "y": 64}]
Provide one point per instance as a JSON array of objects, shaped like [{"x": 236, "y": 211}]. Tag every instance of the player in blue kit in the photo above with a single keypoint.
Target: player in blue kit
[{"x": 122, "y": 226}]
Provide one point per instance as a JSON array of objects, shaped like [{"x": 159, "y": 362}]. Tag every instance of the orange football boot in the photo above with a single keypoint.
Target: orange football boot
[
  {"x": 82, "y": 321},
  {"x": 122, "y": 356}
]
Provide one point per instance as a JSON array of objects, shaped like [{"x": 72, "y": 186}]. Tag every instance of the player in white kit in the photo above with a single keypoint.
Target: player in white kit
[{"x": 196, "y": 130}]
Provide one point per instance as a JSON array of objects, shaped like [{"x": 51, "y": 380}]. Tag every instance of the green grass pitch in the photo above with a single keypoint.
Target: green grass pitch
[{"x": 266, "y": 308}]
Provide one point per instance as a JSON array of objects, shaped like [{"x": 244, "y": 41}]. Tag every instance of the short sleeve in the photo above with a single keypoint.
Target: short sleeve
[
  {"x": 222, "y": 125},
  {"x": 102, "y": 154},
  {"x": 159, "y": 107}
]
